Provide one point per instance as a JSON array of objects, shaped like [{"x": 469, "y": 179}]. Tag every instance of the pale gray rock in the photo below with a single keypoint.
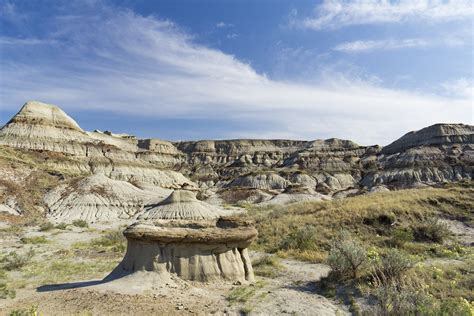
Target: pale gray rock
[
  {"x": 438, "y": 134},
  {"x": 183, "y": 204},
  {"x": 98, "y": 198},
  {"x": 260, "y": 181}
]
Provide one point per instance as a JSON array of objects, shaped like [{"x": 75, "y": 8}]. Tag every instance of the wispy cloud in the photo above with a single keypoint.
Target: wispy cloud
[
  {"x": 232, "y": 35},
  {"x": 24, "y": 41},
  {"x": 390, "y": 44},
  {"x": 340, "y": 13},
  {"x": 118, "y": 61},
  {"x": 223, "y": 25},
  {"x": 461, "y": 87}
]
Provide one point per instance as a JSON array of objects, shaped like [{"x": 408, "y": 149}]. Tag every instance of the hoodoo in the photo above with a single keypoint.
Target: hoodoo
[{"x": 189, "y": 239}]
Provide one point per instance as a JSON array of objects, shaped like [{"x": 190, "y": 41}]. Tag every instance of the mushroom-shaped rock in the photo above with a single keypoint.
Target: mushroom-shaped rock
[
  {"x": 203, "y": 250},
  {"x": 189, "y": 239},
  {"x": 183, "y": 204}
]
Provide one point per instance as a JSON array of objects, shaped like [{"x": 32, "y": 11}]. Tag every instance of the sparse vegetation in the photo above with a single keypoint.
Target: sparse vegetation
[
  {"x": 347, "y": 256},
  {"x": 34, "y": 240},
  {"x": 113, "y": 241},
  {"x": 431, "y": 230},
  {"x": 61, "y": 226},
  {"x": 32, "y": 311},
  {"x": 382, "y": 220},
  {"x": 385, "y": 235},
  {"x": 5, "y": 290},
  {"x": 46, "y": 227},
  {"x": 267, "y": 266},
  {"x": 80, "y": 223},
  {"x": 14, "y": 261},
  {"x": 243, "y": 294}
]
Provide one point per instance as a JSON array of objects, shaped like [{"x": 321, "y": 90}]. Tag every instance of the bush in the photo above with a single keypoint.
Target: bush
[
  {"x": 400, "y": 297},
  {"x": 14, "y": 261},
  {"x": 392, "y": 266},
  {"x": 6, "y": 292},
  {"x": 46, "y": 226},
  {"x": 301, "y": 238},
  {"x": 32, "y": 311},
  {"x": 34, "y": 240},
  {"x": 431, "y": 230},
  {"x": 61, "y": 226},
  {"x": 400, "y": 236},
  {"x": 80, "y": 223},
  {"x": 347, "y": 256},
  {"x": 459, "y": 307}
]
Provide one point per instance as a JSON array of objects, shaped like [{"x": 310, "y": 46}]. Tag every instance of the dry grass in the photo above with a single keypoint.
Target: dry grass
[{"x": 372, "y": 218}]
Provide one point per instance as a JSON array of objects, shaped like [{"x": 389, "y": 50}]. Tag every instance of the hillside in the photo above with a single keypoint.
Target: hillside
[{"x": 45, "y": 156}]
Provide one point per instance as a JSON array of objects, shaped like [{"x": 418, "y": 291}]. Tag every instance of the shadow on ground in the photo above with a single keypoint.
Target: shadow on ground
[{"x": 114, "y": 275}]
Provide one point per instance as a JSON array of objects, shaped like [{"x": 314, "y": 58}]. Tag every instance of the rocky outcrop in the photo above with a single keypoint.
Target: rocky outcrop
[
  {"x": 260, "y": 181},
  {"x": 438, "y": 153},
  {"x": 234, "y": 171},
  {"x": 185, "y": 237},
  {"x": 183, "y": 204},
  {"x": 98, "y": 198},
  {"x": 438, "y": 134},
  {"x": 202, "y": 251}
]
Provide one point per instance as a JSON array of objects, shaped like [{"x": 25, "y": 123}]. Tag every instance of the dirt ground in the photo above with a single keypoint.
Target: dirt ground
[{"x": 290, "y": 292}]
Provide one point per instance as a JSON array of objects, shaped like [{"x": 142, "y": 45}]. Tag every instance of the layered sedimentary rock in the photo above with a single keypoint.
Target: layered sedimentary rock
[
  {"x": 438, "y": 153},
  {"x": 190, "y": 240},
  {"x": 182, "y": 204},
  {"x": 228, "y": 171},
  {"x": 438, "y": 134},
  {"x": 98, "y": 198}
]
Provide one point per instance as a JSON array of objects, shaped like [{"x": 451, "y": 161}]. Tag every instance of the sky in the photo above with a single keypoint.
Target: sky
[{"x": 368, "y": 71}]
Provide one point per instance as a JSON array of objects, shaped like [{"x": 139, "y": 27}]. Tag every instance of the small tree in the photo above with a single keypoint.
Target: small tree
[{"x": 347, "y": 255}]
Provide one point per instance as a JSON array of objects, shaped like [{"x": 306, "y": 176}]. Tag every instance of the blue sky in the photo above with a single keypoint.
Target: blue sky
[{"x": 368, "y": 71}]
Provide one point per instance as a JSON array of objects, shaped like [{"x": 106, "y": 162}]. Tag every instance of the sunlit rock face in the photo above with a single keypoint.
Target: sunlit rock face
[
  {"x": 187, "y": 238},
  {"x": 435, "y": 154},
  {"x": 224, "y": 171}
]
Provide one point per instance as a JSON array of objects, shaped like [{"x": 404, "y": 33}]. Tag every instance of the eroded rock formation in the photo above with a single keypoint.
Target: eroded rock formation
[
  {"x": 52, "y": 145},
  {"x": 187, "y": 238}
]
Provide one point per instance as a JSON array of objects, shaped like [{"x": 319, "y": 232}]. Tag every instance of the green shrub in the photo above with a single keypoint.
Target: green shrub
[
  {"x": 46, "y": 226},
  {"x": 392, "y": 266},
  {"x": 347, "y": 256},
  {"x": 304, "y": 238},
  {"x": 61, "y": 226},
  {"x": 431, "y": 230},
  {"x": 34, "y": 240},
  {"x": 32, "y": 311},
  {"x": 14, "y": 261},
  {"x": 5, "y": 291},
  {"x": 458, "y": 307},
  {"x": 400, "y": 236},
  {"x": 400, "y": 297},
  {"x": 80, "y": 223}
]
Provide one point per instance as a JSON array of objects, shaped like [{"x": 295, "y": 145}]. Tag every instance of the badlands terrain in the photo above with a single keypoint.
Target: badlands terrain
[{"x": 342, "y": 228}]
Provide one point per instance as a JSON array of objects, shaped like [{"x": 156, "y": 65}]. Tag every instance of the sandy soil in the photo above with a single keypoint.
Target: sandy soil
[{"x": 292, "y": 292}]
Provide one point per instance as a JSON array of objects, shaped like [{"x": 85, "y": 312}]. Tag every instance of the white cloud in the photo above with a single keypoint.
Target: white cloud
[
  {"x": 223, "y": 25},
  {"x": 461, "y": 87},
  {"x": 117, "y": 61},
  {"x": 24, "y": 41},
  {"x": 390, "y": 44},
  {"x": 340, "y": 13}
]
